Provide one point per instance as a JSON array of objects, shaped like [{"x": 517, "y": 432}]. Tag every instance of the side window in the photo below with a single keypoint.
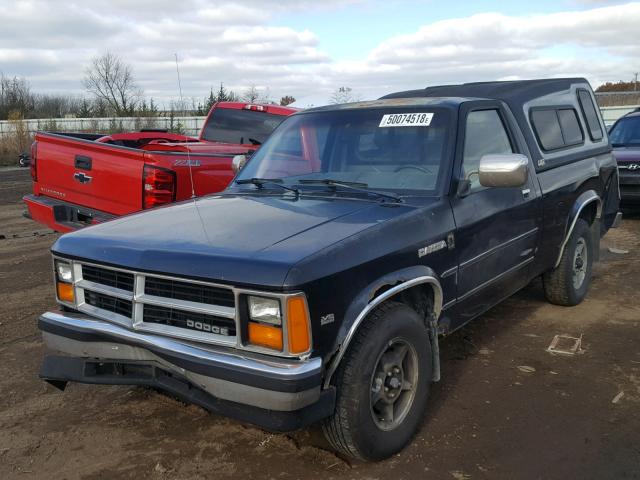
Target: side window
[
  {"x": 570, "y": 126},
  {"x": 485, "y": 134},
  {"x": 556, "y": 128},
  {"x": 590, "y": 115},
  {"x": 547, "y": 126}
]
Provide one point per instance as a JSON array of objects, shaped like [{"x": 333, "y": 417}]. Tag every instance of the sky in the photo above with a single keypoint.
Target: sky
[{"x": 310, "y": 48}]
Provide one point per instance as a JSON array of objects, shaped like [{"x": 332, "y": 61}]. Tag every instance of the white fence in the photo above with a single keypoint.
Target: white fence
[
  {"x": 611, "y": 114},
  {"x": 188, "y": 125}
]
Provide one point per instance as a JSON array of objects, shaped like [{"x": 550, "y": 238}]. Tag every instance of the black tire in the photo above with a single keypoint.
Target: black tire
[
  {"x": 352, "y": 429},
  {"x": 559, "y": 287}
]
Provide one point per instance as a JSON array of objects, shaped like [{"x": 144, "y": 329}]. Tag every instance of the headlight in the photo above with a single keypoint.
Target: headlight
[
  {"x": 64, "y": 282},
  {"x": 266, "y": 310},
  {"x": 64, "y": 272}
]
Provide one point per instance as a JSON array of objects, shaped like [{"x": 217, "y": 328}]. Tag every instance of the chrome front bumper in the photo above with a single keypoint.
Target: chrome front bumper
[{"x": 228, "y": 378}]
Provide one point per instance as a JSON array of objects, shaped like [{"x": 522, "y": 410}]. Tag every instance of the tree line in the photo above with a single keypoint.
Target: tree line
[{"x": 111, "y": 91}]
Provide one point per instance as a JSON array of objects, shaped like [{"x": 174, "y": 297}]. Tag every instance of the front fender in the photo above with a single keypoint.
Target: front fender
[{"x": 369, "y": 298}]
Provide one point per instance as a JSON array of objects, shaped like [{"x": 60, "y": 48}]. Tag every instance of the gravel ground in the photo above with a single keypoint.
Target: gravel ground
[{"x": 506, "y": 408}]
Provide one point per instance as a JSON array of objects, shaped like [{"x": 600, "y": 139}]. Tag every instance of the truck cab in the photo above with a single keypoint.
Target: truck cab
[{"x": 317, "y": 287}]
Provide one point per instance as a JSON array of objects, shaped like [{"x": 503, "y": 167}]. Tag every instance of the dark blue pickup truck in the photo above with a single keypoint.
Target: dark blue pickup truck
[{"x": 317, "y": 286}]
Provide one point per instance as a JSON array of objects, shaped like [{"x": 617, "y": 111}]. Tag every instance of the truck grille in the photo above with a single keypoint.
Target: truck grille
[
  {"x": 168, "y": 306},
  {"x": 162, "y": 287},
  {"x": 190, "y": 320},
  {"x": 111, "y": 304},
  {"x": 112, "y": 278}
]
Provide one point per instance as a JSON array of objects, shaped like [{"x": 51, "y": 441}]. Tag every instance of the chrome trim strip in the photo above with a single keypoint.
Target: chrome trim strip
[
  {"x": 186, "y": 334},
  {"x": 437, "y": 308},
  {"x": 497, "y": 247},
  {"x": 450, "y": 303},
  {"x": 448, "y": 273},
  {"x": 217, "y": 310},
  {"x": 104, "y": 289},
  {"x": 281, "y": 368},
  {"x": 105, "y": 314},
  {"x": 591, "y": 197},
  {"x": 617, "y": 221},
  {"x": 494, "y": 279}
]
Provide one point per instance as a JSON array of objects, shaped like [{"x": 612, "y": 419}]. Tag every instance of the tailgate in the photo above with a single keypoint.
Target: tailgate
[{"x": 90, "y": 174}]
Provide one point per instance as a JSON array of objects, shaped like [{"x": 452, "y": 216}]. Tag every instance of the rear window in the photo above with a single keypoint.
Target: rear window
[
  {"x": 590, "y": 115},
  {"x": 240, "y": 126},
  {"x": 556, "y": 128}
]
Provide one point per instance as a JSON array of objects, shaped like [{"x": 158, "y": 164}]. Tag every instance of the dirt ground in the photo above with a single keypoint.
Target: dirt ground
[{"x": 505, "y": 408}]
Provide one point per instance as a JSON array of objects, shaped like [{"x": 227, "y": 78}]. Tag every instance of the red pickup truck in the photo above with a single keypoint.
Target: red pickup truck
[{"x": 81, "y": 179}]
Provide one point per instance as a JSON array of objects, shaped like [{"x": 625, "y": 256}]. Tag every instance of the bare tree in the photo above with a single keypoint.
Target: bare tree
[
  {"x": 111, "y": 80},
  {"x": 15, "y": 96},
  {"x": 287, "y": 100},
  {"x": 251, "y": 94},
  {"x": 254, "y": 95},
  {"x": 344, "y": 95}
]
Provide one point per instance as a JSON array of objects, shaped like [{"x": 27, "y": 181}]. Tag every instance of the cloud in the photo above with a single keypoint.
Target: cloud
[
  {"x": 239, "y": 43},
  {"x": 601, "y": 44}
]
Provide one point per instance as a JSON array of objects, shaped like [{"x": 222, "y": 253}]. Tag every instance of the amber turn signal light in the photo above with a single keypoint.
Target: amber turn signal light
[
  {"x": 265, "y": 336},
  {"x": 65, "y": 292},
  {"x": 298, "y": 325}
]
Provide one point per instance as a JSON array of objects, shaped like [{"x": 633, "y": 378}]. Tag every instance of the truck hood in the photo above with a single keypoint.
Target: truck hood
[
  {"x": 239, "y": 239},
  {"x": 627, "y": 154}
]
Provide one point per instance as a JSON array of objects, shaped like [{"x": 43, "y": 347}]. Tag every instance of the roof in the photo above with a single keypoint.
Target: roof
[
  {"x": 511, "y": 92},
  {"x": 396, "y": 102}
]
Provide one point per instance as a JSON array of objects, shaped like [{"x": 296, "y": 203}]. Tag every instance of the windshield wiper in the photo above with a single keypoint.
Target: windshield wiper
[
  {"x": 356, "y": 186},
  {"x": 260, "y": 183},
  {"x": 254, "y": 141}
]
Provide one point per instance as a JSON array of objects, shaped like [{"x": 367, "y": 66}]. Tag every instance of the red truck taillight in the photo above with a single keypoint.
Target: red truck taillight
[
  {"x": 158, "y": 186},
  {"x": 32, "y": 161}
]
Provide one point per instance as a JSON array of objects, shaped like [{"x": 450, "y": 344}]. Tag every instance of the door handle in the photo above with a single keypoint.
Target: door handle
[
  {"x": 82, "y": 162},
  {"x": 526, "y": 192}
]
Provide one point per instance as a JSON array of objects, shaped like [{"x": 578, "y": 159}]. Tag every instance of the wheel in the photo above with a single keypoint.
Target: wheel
[
  {"x": 382, "y": 385},
  {"x": 569, "y": 282}
]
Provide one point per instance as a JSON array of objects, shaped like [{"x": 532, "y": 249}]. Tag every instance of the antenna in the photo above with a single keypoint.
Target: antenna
[{"x": 193, "y": 190}]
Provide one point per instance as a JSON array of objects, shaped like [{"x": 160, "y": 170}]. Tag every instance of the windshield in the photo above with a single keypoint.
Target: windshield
[
  {"x": 240, "y": 126},
  {"x": 626, "y": 132},
  {"x": 392, "y": 149}
]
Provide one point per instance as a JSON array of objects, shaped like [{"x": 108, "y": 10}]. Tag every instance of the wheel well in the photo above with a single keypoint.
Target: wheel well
[
  {"x": 589, "y": 212},
  {"x": 419, "y": 297}
]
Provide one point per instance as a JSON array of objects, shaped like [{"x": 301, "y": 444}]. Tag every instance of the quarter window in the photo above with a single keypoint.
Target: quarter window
[
  {"x": 547, "y": 126},
  {"x": 590, "y": 115},
  {"x": 557, "y": 128},
  {"x": 485, "y": 134}
]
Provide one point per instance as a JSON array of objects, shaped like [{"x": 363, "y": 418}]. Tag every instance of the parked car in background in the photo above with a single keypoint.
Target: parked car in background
[
  {"x": 625, "y": 139},
  {"x": 81, "y": 179},
  {"x": 24, "y": 160},
  {"x": 316, "y": 286}
]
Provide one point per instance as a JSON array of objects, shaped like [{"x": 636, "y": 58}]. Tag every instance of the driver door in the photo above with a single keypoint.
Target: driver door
[{"x": 497, "y": 228}]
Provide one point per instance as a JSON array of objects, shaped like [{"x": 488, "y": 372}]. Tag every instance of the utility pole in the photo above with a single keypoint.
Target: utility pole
[{"x": 635, "y": 88}]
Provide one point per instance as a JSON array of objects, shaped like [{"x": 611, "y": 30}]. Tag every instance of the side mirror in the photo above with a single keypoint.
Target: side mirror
[
  {"x": 238, "y": 162},
  {"x": 503, "y": 170}
]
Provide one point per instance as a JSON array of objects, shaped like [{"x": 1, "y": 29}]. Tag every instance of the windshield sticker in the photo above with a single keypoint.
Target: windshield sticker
[{"x": 406, "y": 120}]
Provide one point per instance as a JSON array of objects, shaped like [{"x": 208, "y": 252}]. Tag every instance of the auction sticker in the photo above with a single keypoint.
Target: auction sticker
[{"x": 406, "y": 120}]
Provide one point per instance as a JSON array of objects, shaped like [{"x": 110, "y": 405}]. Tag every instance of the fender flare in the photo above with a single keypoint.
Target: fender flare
[
  {"x": 365, "y": 302},
  {"x": 584, "y": 199}
]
